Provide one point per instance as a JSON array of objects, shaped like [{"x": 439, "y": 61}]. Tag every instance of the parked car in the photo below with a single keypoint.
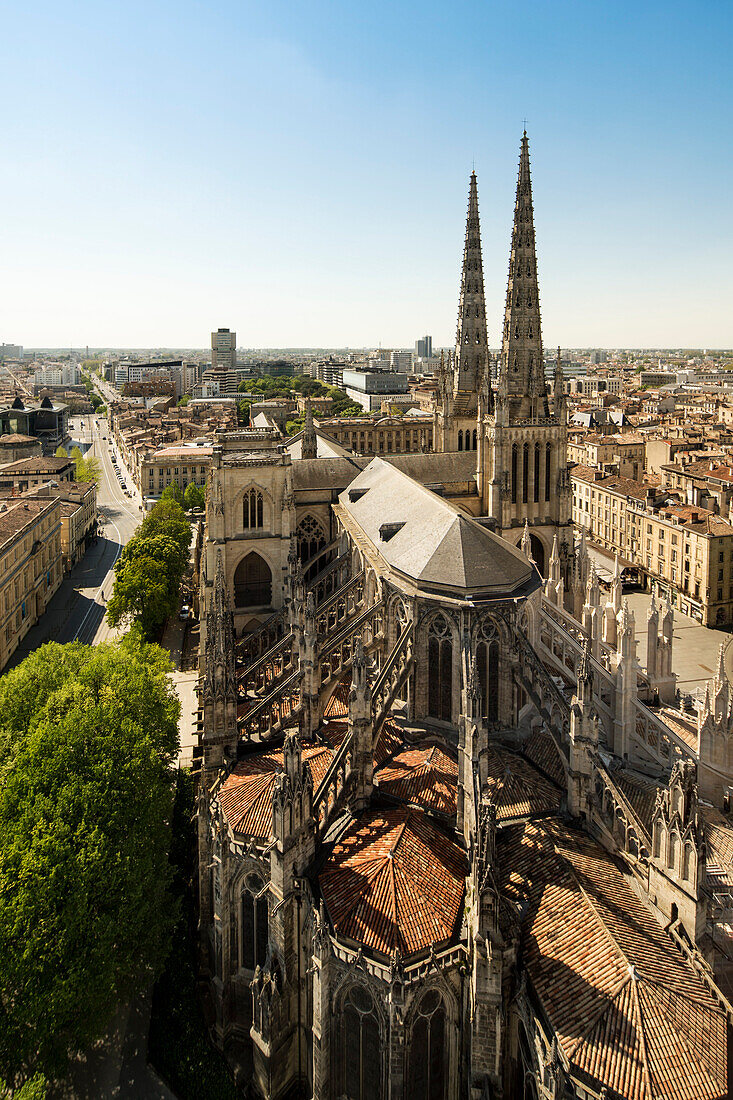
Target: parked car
[{"x": 185, "y": 613}]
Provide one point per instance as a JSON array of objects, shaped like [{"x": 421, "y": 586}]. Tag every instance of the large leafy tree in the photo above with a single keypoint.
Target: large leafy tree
[
  {"x": 87, "y": 739},
  {"x": 194, "y": 496},
  {"x": 150, "y": 569}
]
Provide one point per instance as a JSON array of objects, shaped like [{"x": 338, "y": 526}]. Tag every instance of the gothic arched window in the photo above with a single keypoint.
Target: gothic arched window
[
  {"x": 460, "y": 441},
  {"x": 514, "y": 473},
  {"x": 548, "y": 459},
  {"x": 474, "y": 439},
  {"x": 361, "y": 1055},
  {"x": 428, "y": 1057},
  {"x": 311, "y": 539},
  {"x": 525, "y": 473},
  {"x": 440, "y": 670},
  {"x": 536, "y": 487},
  {"x": 254, "y": 924},
  {"x": 252, "y": 582},
  {"x": 252, "y": 510},
  {"x": 487, "y": 664}
]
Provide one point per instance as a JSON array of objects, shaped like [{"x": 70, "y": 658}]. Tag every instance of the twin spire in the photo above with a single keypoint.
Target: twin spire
[
  {"x": 472, "y": 344},
  {"x": 522, "y": 378}
]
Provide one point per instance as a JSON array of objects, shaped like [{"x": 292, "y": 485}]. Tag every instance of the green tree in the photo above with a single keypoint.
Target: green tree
[
  {"x": 184, "y": 401},
  {"x": 149, "y": 571},
  {"x": 172, "y": 492},
  {"x": 141, "y": 593},
  {"x": 194, "y": 496},
  {"x": 61, "y": 452},
  {"x": 87, "y": 739}
]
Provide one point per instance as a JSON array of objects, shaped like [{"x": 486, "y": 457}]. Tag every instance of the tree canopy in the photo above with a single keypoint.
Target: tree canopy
[
  {"x": 87, "y": 739},
  {"x": 194, "y": 497},
  {"x": 87, "y": 469},
  {"x": 150, "y": 569}
]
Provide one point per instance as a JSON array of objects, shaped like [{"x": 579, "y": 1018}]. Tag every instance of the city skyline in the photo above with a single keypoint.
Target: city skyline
[{"x": 302, "y": 177}]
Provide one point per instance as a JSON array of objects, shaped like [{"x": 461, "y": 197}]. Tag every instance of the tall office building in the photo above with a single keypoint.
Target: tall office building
[
  {"x": 424, "y": 347},
  {"x": 223, "y": 349}
]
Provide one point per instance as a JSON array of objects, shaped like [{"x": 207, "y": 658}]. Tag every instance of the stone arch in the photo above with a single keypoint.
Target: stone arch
[
  {"x": 538, "y": 548},
  {"x": 252, "y": 581}
]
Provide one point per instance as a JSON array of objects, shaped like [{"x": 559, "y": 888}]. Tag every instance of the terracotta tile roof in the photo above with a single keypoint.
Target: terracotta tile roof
[
  {"x": 425, "y": 775},
  {"x": 390, "y": 741},
  {"x": 641, "y": 794},
  {"x": 394, "y": 882},
  {"x": 338, "y": 704},
  {"x": 542, "y": 751},
  {"x": 718, "y": 838},
  {"x": 684, "y": 727},
  {"x": 628, "y": 1010},
  {"x": 516, "y": 788},
  {"x": 245, "y": 796}
]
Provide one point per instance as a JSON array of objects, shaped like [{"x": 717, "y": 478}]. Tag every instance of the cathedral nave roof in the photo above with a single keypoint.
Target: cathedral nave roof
[
  {"x": 429, "y": 540},
  {"x": 628, "y": 1010}
]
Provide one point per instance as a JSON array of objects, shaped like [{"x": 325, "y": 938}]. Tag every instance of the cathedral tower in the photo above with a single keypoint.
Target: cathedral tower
[
  {"x": 464, "y": 379},
  {"x": 522, "y": 465}
]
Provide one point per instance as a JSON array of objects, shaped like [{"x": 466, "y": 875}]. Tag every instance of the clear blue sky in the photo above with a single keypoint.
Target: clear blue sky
[{"x": 299, "y": 171}]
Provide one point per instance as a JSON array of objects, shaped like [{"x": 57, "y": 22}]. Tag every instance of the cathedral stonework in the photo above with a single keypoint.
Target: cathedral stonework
[{"x": 452, "y": 842}]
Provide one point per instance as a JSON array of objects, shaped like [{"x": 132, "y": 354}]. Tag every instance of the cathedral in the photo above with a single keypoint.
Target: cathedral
[{"x": 454, "y": 840}]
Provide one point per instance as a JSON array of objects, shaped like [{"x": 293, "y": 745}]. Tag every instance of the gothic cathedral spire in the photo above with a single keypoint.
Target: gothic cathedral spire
[
  {"x": 472, "y": 345},
  {"x": 522, "y": 366}
]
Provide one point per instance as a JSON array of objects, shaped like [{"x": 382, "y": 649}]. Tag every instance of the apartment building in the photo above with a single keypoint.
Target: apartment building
[
  {"x": 626, "y": 452},
  {"x": 31, "y": 565},
  {"x": 78, "y": 500},
  {"x": 686, "y": 551},
  {"x": 178, "y": 465},
  {"x": 386, "y": 435}
]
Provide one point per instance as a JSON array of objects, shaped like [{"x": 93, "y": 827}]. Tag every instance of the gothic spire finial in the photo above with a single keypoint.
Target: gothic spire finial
[
  {"x": 585, "y": 668},
  {"x": 522, "y": 364},
  {"x": 472, "y": 345}
]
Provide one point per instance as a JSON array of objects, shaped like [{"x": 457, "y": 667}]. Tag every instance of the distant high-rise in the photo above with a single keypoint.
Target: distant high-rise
[
  {"x": 223, "y": 349},
  {"x": 424, "y": 347}
]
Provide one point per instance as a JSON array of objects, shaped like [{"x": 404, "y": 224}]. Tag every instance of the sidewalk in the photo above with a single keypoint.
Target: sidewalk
[{"x": 185, "y": 684}]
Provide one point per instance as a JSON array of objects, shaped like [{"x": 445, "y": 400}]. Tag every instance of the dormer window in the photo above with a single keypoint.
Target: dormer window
[{"x": 388, "y": 530}]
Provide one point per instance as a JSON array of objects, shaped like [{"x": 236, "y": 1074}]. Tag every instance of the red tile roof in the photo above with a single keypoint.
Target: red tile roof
[
  {"x": 245, "y": 796},
  {"x": 542, "y": 751},
  {"x": 395, "y": 882},
  {"x": 425, "y": 775},
  {"x": 516, "y": 788},
  {"x": 628, "y": 1010}
]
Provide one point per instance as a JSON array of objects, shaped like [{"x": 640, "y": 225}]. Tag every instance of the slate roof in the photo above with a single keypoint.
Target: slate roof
[
  {"x": 394, "y": 882},
  {"x": 628, "y": 1010},
  {"x": 434, "y": 543},
  {"x": 424, "y": 775}
]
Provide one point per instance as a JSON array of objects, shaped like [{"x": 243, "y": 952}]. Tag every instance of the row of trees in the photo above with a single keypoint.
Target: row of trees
[
  {"x": 193, "y": 496},
  {"x": 88, "y": 737},
  {"x": 149, "y": 571}
]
